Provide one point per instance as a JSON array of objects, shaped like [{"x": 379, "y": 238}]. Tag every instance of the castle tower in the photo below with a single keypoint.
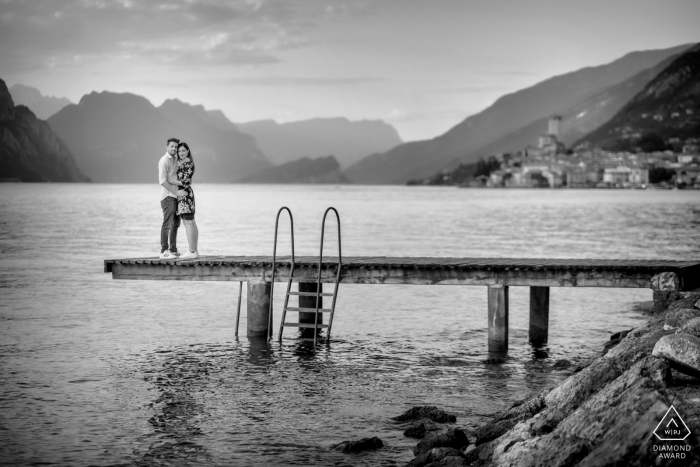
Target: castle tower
[{"x": 554, "y": 125}]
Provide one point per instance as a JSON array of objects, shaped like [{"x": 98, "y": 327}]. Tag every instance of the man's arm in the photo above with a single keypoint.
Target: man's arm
[{"x": 163, "y": 179}]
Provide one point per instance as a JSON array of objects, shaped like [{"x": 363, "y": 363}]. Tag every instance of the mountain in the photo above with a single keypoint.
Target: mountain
[
  {"x": 42, "y": 106},
  {"x": 667, "y": 107},
  {"x": 29, "y": 150},
  {"x": 348, "y": 141},
  {"x": 304, "y": 170},
  {"x": 121, "y": 137},
  {"x": 420, "y": 159},
  {"x": 576, "y": 121}
]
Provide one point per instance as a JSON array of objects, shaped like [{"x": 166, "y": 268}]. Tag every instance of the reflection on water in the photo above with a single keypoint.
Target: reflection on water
[{"x": 101, "y": 372}]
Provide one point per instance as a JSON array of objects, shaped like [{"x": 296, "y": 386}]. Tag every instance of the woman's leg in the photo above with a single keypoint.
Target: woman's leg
[
  {"x": 190, "y": 227},
  {"x": 195, "y": 234}
]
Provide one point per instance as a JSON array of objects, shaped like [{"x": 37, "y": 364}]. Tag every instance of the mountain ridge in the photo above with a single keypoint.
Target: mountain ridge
[
  {"x": 119, "y": 137},
  {"x": 42, "y": 106},
  {"x": 349, "y": 141},
  {"x": 420, "y": 159},
  {"x": 30, "y": 150}
]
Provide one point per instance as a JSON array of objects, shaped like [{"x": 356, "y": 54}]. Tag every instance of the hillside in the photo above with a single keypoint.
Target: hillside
[
  {"x": 29, "y": 150},
  {"x": 304, "y": 170},
  {"x": 578, "y": 120},
  {"x": 120, "y": 137},
  {"x": 420, "y": 159},
  {"x": 348, "y": 141},
  {"x": 42, "y": 106},
  {"x": 668, "y": 107}
]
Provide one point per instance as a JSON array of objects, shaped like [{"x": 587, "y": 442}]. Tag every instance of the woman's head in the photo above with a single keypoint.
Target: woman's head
[{"x": 183, "y": 150}]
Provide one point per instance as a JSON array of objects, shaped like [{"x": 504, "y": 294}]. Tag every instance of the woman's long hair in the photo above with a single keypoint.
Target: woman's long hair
[{"x": 189, "y": 153}]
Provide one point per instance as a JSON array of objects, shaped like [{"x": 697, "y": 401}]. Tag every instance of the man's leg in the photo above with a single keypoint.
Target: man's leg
[
  {"x": 171, "y": 221},
  {"x": 167, "y": 223}
]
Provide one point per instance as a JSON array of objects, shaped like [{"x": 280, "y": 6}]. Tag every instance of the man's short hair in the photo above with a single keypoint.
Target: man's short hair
[{"x": 171, "y": 140}]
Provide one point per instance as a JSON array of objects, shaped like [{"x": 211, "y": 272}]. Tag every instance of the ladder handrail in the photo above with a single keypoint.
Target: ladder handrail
[
  {"x": 274, "y": 261},
  {"x": 320, "y": 266}
]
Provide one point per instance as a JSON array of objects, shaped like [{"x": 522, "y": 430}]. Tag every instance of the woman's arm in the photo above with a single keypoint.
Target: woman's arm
[{"x": 174, "y": 181}]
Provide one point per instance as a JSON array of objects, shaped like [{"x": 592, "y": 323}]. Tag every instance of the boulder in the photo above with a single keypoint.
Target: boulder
[
  {"x": 561, "y": 363},
  {"x": 443, "y": 457},
  {"x": 364, "y": 444},
  {"x": 491, "y": 431},
  {"x": 682, "y": 350},
  {"x": 447, "y": 438},
  {"x": 428, "y": 411},
  {"x": 691, "y": 327},
  {"x": 678, "y": 318},
  {"x": 415, "y": 431}
]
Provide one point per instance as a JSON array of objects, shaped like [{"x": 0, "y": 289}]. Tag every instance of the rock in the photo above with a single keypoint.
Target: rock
[
  {"x": 678, "y": 318},
  {"x": 415, "y": 431},
  {"x": 439, "y": 457},
  {"x": 620, "y": 335},
  {"x": 428, "y": 411},
  {"x": 697, "y": 304},
  {"x": 525, "y": 408},
  {"x": 682, "y": 351},
  {"x": 561, "y": 363},
  {"x": 668, "y": 327},
  {"x": 364, "y": 444},
  {"x": 691, "y": 327},
  {"x": 491, "y": 431},
  {"x": 448, "y": 438}
]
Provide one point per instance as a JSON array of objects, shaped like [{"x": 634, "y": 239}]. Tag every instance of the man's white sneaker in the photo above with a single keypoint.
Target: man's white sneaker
[
  {"x": 189, "y": 255},
  {"x": 167, "y": 254}
]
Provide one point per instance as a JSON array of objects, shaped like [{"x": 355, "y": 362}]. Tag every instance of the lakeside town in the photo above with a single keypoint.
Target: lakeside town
[{"x": 549, "y": 164}]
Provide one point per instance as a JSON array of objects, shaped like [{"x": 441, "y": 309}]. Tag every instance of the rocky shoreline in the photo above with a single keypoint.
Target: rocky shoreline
[{"x": 609, "y": 413}]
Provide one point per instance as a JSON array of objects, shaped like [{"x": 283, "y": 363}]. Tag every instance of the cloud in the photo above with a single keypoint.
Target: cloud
[
  {"x": 40, "y": 34},
  {"x": 296, "y": 81}
]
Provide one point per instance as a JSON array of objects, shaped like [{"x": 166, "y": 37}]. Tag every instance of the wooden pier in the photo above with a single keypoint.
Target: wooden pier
[{"x": 497, "y": 274}]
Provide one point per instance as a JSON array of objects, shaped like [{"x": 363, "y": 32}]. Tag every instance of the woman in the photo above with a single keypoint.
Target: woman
[{"x": 185, "y": 204}]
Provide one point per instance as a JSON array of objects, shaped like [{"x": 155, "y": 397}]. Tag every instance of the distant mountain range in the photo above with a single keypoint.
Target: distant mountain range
[
  {"x": 304, "y": 170},
  {"x": 667, "y": 107},
  {"x": 121, "y": 137},
  {"x": 29, "y": 149},
  {"x": 510, "y": 114},
  {"x": 346, "y": 140},
  {"x": 42, "y": 106}
]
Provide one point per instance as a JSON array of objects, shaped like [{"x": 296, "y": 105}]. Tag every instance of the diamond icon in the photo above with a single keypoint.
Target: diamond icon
[{"x": 672, "y": 427}]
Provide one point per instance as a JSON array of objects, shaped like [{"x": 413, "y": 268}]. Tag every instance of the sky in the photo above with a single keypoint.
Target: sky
[{"x": 421, "y": 65}]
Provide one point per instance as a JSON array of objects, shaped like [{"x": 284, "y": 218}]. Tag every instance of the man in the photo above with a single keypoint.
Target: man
[{"x": 167, "y": 170}]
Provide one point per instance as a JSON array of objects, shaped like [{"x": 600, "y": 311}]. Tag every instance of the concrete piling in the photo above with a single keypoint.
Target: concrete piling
[
  {"x": 498, "y": 318},
  {"x": 258, "y": 308},
  {"x": 539, "y": 315}
]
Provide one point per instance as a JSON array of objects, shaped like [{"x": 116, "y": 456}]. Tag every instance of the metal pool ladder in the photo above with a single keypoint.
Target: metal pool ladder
[
  {"x": 274, "y": 265},
  {"x": 317, "y": 311}
]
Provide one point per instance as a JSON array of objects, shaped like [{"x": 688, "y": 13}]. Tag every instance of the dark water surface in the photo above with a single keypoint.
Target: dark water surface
[{"x": 101, "y": 372}]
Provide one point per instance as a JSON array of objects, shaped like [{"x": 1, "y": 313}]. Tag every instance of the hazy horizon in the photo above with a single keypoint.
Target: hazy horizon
[{"x": 422, "y": 67}]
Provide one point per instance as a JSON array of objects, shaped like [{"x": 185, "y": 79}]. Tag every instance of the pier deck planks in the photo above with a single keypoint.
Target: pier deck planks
[{"x": 679, "y": 275}]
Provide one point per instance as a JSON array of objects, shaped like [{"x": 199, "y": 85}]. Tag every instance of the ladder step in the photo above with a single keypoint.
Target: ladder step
[
  {"x": 305, "y": 325},
  {"x": 309, "y": 310},
  {"x": 311, "y": 294}
]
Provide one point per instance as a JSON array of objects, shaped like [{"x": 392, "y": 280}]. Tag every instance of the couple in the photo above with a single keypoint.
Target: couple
[{"x": 175, "y": 171}]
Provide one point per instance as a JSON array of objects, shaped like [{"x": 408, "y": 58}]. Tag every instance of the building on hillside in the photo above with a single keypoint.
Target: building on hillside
[
  {"x": 548, "y": 144},
  {"x": 625, "y": 176}
]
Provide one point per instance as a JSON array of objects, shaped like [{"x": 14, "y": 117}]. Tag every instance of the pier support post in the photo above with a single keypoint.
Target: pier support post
[
  {"x": 498, "y": 318},
  {"x": 310, "y": 302},
  {"x": 539, "y": 315},
  {"x": 258, "y": 308}
]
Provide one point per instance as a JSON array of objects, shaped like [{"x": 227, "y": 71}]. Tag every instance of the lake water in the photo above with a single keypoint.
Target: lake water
[{"x": 95, "y": 371}]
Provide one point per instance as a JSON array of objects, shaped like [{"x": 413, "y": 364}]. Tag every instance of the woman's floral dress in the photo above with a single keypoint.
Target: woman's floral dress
[{"x": 185, "y": 204}]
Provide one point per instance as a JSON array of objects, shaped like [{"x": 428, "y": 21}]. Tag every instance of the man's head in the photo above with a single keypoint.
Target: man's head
[{"x": 171, "y": 146}]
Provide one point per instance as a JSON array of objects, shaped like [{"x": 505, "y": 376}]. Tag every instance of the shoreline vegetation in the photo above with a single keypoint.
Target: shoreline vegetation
[{"x": 609, "y": 412}]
